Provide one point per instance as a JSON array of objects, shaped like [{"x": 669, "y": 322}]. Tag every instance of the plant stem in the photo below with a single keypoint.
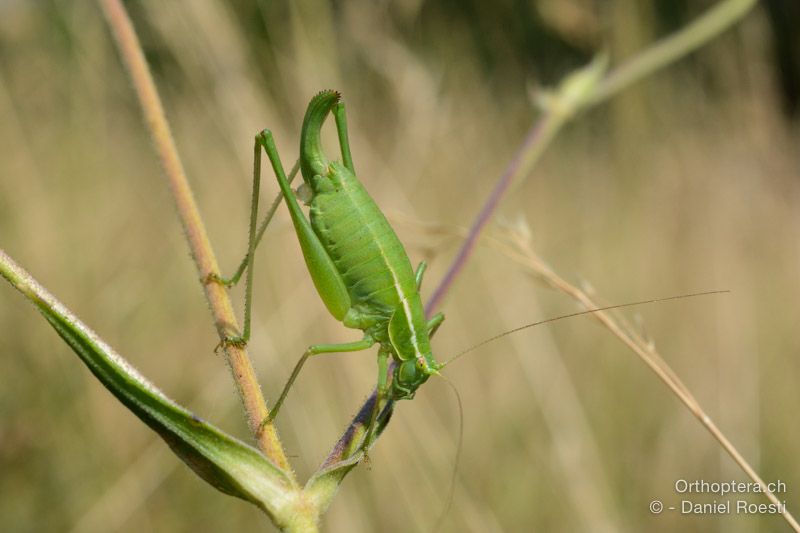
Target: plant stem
[
  {"x": 537, "y": 139},
  {"x": 713, "y": 22},
  {"x": 224, "y": 319},
  {"x": 663, "y": 53}
]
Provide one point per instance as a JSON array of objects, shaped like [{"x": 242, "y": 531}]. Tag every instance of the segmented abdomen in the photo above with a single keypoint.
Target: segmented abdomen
[{"x": 362, "y": 244}]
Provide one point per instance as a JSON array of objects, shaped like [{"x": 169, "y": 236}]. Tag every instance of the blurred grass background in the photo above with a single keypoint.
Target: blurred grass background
[{"x": 686, "y": 182}]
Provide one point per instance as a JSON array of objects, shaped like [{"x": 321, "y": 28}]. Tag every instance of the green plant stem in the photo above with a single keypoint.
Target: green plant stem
[
  {"x": 666, "y": 51},
  {"x": 534, "y": 145},
  {"x": 224, "y": 319}
]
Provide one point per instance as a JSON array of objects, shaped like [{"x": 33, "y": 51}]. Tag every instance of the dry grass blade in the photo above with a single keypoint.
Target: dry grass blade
[{"x": 517, "y": 246}]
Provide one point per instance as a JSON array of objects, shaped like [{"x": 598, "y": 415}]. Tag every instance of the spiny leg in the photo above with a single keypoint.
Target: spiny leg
[
  {"x": 254, "y": 237},
  {"x": 234, "y": 279},
  {"x": 242, "y": 339},
  {"x": 315, "y": 349},
  {"x": 251, "y": 243},
  {"x": 344, "y": 142}
]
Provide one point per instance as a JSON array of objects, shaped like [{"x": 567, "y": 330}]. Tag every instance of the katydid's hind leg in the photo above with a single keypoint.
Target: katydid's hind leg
[
  {"x": 434, "y": 323},
  {"x": 419, "y": 273},
  {"x": 327, "y": 279},
  {"x": 262, "y": 227},
  {"x": 273, "y": 208},
  {"x": 254, "y": 237},
  {"x": 316, "y": 349},
  {"x": 344, "y": 142},
  {"x": 241, "y": 340}
]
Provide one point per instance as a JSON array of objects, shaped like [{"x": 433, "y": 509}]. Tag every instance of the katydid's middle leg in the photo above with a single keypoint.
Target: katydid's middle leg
[
  {"x": 438, "y": 318},
  {"x": 434, "y": 323},
  {"x": 315, "y": 349}
]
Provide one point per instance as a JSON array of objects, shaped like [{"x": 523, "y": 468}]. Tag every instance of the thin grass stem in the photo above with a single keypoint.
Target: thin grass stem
[{"x": 521, "y": 252}]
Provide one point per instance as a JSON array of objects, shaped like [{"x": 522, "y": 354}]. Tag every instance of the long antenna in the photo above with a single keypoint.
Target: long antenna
[
  {"x": 579, "y": 313},
  {"x": 451, "y": 491}
]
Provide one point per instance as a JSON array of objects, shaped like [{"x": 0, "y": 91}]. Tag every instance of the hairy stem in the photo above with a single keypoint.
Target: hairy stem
[{"x": 221, "y": 309}]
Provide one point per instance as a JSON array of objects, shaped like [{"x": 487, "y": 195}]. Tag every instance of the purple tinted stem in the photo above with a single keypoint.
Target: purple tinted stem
[{"x": 514, "y": 168}]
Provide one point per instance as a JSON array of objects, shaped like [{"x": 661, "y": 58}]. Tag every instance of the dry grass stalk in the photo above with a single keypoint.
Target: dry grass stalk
[
  {"x": 516, "y": 244},
  {"x": 218, "y": 300}
]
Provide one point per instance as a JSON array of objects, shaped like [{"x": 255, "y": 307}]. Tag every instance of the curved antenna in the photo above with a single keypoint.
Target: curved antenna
[
  {"x": 452, "y": 490},
  {"x": 577, "y": 313}
]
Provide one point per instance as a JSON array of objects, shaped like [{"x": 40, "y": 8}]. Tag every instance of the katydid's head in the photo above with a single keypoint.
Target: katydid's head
[
  {"x": 408, "y": 376},
  {"x": 312, "y": 159}
]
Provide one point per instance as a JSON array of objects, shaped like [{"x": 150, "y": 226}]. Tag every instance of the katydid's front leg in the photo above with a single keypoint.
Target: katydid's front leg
[
  {"x": 381, "y": 395},
  {"x": 315, "y": 349}
]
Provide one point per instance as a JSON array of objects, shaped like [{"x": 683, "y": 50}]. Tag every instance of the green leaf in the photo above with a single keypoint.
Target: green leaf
[{"x": 226, "y": 463}]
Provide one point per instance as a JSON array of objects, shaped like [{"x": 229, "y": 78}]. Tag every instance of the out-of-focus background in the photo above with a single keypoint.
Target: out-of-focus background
[{"x": 689, "y": 181}]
